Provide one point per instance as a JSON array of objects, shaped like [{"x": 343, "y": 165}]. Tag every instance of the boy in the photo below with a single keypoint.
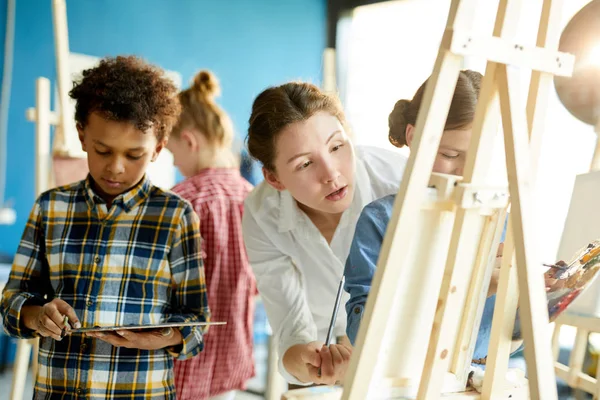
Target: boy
[{"x": 111, "y": 250}]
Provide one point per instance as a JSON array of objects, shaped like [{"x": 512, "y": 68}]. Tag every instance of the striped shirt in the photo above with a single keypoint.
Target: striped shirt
[
  {"x": 217, "y": 195},
  {"x": 138, "y": 262}
]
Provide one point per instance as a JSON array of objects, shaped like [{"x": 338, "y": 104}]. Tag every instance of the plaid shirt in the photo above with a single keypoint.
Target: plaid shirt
[
  {"x": 138, "y": 262},
  {"x": 226, "y": 362}
]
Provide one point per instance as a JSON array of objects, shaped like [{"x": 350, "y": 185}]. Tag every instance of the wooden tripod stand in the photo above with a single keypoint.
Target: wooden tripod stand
[
  {"x": 442, "y": 240},
  {"x": 466, "y": 266}
]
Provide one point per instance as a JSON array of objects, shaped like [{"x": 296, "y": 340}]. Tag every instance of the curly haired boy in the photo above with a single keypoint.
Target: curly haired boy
[{"x": 111, "y": 250}]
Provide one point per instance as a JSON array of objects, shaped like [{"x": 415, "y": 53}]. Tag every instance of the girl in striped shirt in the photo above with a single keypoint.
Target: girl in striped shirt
[{"x": 201, "y": 144}]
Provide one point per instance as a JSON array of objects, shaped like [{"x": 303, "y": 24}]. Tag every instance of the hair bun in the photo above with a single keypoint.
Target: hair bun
[
  {"x": 397, "y": 123},
  {"x": 206, "y": 85}
]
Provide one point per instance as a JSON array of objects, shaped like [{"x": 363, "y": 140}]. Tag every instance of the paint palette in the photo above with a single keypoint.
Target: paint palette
[
  {"x": 563, "y": 285},
  {"x": 565, "y": 281}
]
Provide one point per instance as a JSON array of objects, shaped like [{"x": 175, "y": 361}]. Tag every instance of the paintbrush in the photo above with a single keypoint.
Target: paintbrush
[{"x": 336, "y": 307}]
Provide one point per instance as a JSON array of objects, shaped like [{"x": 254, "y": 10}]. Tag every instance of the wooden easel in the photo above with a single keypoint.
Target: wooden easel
[
  {"x": 396, "y": 353},
  {"x": 451, "y": 331},
  {"x": 44, "y": 177}
]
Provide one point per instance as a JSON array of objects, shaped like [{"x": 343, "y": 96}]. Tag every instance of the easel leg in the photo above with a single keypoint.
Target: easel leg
[
  {"x": 436, "y": 103},
  {"x": 34, "y": 361},
  {"x": 595, "y": 166},
  {"x": 485, "y": 126},
  {"x": 20, "y": 369},
  {"x": 533, "y": 309},
  {"x": 577, "y": 356},
  {"x": 505, "y": 313},
  {"x": 556, "y": 341}
]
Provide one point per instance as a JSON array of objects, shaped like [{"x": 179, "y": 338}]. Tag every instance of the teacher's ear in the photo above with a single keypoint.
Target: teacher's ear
[{"x": 271, "y": 178}]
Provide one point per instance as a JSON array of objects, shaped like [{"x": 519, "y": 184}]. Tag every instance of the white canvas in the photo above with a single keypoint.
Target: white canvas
[{"x": 581, "y": 227}]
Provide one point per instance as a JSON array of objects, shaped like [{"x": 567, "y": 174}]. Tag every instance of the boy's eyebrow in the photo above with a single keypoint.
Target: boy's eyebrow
[{"x": 139, "y": 148}]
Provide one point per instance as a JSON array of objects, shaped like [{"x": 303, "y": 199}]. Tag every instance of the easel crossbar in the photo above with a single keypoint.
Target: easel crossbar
[{"x": 508, "y": 52}]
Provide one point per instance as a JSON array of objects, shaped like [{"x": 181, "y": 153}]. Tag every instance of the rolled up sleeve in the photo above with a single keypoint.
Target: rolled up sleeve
[
  {"x": 26, "y": 283},
  {"x": 362, "y": 262}
]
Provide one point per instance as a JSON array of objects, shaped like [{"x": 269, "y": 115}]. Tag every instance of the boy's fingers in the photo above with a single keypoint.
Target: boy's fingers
[
  {"x": 43, "y": 331},
  {"x": 126, "y": 334},
  {"x": 113, "y": 339},
  {"x": 48, "y": 323},
  {"x": 55, "y": 316},
  {"x": 65, "y": 309}
]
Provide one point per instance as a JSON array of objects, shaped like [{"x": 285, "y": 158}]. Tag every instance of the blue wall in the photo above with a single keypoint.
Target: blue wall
[
  {"x": 3, "y": 4},
  {"x": 249, "y": 44}
]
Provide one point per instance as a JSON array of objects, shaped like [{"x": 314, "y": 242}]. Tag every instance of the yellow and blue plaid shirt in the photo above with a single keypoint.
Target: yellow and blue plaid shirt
[{"x": 138, "y": 262}]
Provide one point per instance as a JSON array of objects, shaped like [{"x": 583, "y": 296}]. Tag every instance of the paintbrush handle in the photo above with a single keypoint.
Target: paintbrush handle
[
  {"x": 335, "y": 311},
  {"x": 336, "y": 307}
]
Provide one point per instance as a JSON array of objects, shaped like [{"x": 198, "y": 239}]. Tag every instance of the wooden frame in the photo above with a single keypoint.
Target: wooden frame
[
  {"x": 501, "y": 84},
  {"x": 466, "y": 267},
  {"x": 44, "y": 179}
]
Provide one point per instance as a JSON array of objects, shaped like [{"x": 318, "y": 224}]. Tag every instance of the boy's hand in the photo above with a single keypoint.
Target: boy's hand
[
  {"x": 48, "y": 320},
  {"x": 151, "y": 339}
]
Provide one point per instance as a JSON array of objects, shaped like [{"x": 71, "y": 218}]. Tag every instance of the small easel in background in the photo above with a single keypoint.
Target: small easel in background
[
  {"x": 55, "y": 164},
  {"x": 580, "y": 94},
  {"x": 63, "y": 165}
]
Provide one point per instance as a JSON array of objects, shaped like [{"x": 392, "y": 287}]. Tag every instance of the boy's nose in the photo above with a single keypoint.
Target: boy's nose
[{"x": 116, "y": 167}]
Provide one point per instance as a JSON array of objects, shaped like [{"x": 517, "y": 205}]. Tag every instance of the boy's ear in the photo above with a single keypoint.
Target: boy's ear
[
  {"x": 161, "y": 145},
  {"x": 271, "y": 178},
  {"x": 81, "y": 134}
]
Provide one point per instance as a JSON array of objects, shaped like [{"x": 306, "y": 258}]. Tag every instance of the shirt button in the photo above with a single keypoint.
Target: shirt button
[
  {"x": 80, "y": 391},
  {"x": 83, "y": 347},
  {"x": 356, "y": 310},
  {"x": 97, "y": 259},
  {"x": 89, "y": 303}
]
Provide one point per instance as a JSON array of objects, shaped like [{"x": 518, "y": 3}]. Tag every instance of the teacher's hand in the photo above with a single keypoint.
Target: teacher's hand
[
  {"x": 334, "y": 363},
  {"x": 303, "y": 361}
]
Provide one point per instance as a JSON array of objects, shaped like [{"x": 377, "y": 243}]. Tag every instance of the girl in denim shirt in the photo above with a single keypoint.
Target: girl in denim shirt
[{"x": 372, "y": 224}]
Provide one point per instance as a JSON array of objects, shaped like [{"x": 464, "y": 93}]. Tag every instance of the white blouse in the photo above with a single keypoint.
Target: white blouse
[{"x": 297, "y": 271}]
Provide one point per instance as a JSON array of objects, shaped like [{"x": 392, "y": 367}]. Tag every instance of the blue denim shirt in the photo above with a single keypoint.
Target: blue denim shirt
[{"x": 362, "y": 261}]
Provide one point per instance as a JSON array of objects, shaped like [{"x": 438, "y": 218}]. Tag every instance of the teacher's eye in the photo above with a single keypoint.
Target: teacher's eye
[
  {"x": 304, "y": 165},
  {"x": 336, "y": 147}
]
